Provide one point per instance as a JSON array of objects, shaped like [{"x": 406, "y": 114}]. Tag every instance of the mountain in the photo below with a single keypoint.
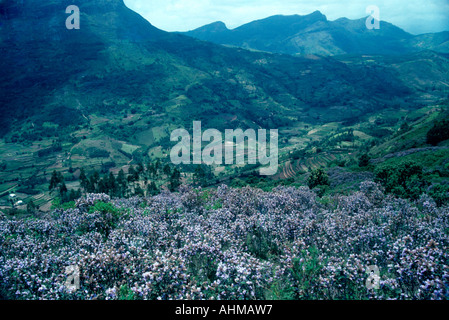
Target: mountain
[
  {"x": 432, "y": 41},
  {"x": 118, "y": 64},
  {"x": 118, "y": 61},
  {"x": 314, "y": 34}
]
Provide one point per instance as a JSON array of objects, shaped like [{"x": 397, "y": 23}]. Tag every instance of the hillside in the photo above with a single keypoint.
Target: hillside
[
  {"x": 112, "y": 65},
  {"x": 107, "y": 96}
]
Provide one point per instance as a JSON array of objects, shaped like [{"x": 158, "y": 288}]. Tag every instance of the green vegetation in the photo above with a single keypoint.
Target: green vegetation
[
  {"x": 405, "y": 179},
  {"x": 364, "y": 160},
  {"x": 318, "y": 178},
  {"x": 440, "y": 193},
  {"x": 107, "y": 218},
  {"x": 125, "y": 293},
  {"x": 259, "y": 243},
  {"x": 306, "y": 270},
  {"x": 355, "y": 152},
  {"x": 439, "y": 132}
]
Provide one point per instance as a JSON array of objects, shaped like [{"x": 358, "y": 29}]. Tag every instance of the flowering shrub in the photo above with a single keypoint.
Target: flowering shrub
[
  {"x": 90, "y": 199},
  {"x": 231, "y": 244}
]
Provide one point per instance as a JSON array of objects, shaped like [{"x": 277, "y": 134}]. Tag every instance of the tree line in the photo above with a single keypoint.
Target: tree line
[{"x": 140, "y": 180}]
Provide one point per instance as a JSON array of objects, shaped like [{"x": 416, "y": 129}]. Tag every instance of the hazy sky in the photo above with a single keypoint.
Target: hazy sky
[{"x": 414, "y": 16}]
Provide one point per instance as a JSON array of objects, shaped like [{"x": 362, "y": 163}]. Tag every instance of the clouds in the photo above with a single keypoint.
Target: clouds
[{"x": 414, "y": 16}]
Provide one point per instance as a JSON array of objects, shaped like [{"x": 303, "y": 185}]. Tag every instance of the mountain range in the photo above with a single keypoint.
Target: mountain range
[
  {"x": 315, "y": 34},
  {"x": 118, "y": 61}
]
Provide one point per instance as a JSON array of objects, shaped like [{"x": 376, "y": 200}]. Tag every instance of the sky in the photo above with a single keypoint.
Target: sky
[{"x": 414, "y": 16}]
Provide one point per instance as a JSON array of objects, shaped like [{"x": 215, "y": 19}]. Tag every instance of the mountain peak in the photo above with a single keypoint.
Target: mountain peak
[
  {"x": 217, "y": 26},
  {"x": 289, "y": 20},
  {"x": 211, "y": 31},
  {"x": 38, "y": 20},
  {"x": 317, "y": 13}
]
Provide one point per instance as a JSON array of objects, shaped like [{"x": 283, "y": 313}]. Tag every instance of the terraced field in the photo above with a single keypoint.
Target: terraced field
[{"x": 293, "y": 168}]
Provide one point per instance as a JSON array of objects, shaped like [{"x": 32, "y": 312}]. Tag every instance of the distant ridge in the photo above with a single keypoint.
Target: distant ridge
[{"x": 314, "y": 34}]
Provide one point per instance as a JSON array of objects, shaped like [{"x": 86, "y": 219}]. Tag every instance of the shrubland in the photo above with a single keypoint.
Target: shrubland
[{"x": 228, "y": 243}]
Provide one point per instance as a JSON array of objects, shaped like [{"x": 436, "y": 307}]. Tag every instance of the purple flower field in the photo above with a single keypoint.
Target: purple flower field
[{"x": 231, "y": 244}]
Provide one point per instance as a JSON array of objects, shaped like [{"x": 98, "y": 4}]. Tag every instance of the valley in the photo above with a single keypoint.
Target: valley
[{"x": 302, "y": 148}]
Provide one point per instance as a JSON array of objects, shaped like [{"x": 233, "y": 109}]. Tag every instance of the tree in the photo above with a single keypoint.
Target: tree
[
  {"x": 31, "y": 206},
  {"x": 440, "y": 193},
  {"x": 152, "y": 189},
  {"x": 93, "y": 180},
  {"x": 121, "y": 177},
  {"x": 405, "y": 179},
  {"x": 133, "y": 175},
  {"x": 202, "y": 175},
  {"x": 95, "y": 176},
  {"x": 121, "y": 184},
  {"x": 84, "y": 182},
  {"x": 364, "y": 160},
  {"x": 54, "y": 180},
  {"x": 138, "y": 191},
  {"x": 167, "y": 170},
  {"x": 32, "y": 181},
  {"x": 404, "y": 127},
  {"x": 157, "y": 165},
  {"x": 73, "y": 195},
  {"x": 438, "y": 133},
  {"x": 151, "y": 169},
  {"x": 140, "y": 167},
  {"x": 318, "y": 178},
  {"x": 63, "y": 192},
  {"x": 111, "y": 184},
  {"x": 102, "y": 186},
  {"x": 175, "y": 180}
]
